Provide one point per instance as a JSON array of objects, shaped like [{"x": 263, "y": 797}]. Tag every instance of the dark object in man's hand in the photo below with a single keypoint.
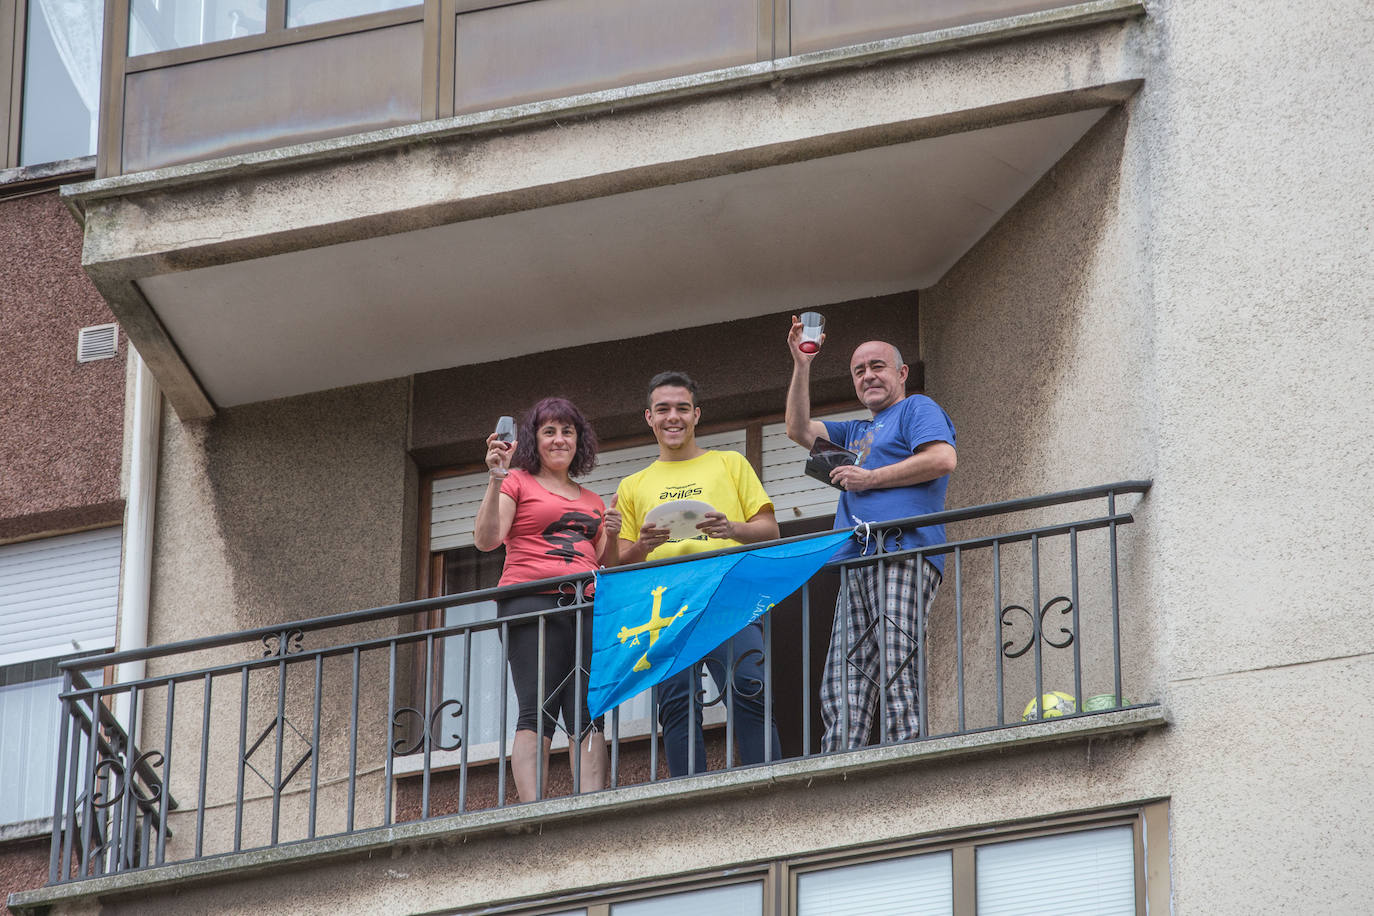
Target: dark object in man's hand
[{"x": 825, "y": 457}]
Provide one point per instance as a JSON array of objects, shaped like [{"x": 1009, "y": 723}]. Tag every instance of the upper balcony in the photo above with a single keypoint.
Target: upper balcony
[
  {"x": 276, "y": 750},
  {"x": 307, "y": 206}
]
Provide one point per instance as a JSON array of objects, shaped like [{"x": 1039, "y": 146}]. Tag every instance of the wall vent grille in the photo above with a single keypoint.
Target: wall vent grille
[{"x": 100, "y": 341}]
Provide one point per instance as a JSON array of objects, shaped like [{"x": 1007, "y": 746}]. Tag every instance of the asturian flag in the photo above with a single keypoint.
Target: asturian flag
[{"x": 653, "y": 622}]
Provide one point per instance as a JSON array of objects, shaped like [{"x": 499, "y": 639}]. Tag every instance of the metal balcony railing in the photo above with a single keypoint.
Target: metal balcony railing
[{"x": 341, "y": 724}]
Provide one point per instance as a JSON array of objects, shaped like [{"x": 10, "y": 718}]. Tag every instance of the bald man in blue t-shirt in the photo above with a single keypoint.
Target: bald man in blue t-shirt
[{"x": 906, "y": 453}]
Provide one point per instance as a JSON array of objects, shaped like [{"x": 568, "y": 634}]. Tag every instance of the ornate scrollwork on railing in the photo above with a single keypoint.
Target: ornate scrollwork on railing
[
  {"x": 744, "y": 687},
  {"x": 428, "y": 730},
  {"x": 287, "y": 642},
  {"x": 113, "y": 770},
  {"x": 1037, "y": 622},
  {"x": 571, "y": 592},
  {"x": 879, "y": 535},
  {"x": 106, "y": 770},
  {"x": 456, "y": 711}
]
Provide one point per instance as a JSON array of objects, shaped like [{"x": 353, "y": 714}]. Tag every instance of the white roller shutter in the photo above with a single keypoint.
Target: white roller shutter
[
  {"x": 455, "y": 499},
  {"x": 59, "y": 595},
  {"x": 1086, "y": 873},
  {"x": 794, "y": 494}
]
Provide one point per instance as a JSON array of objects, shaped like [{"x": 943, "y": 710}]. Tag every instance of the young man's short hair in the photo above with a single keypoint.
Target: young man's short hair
[{"x": 674, "y": 379}]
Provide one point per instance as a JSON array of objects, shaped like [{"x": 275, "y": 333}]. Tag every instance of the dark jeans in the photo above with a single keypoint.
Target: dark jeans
[
  {"x": 560, "y": 663},
  {"x": 747, "y": 710}
]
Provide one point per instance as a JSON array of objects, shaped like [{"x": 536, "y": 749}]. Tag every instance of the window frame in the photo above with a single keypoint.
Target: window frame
[
  {"x": 1149, "y": 821},
  {"x": 106, "y": 676},
  {"x": 13, "y": 48}
]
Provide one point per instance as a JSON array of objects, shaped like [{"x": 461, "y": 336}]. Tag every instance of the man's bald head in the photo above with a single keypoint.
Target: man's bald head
[{"x": 895, "y": 357}]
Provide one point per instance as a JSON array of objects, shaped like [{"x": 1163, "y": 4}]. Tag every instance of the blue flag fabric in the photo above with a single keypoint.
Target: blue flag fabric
[{"x": 649, "y": 624}]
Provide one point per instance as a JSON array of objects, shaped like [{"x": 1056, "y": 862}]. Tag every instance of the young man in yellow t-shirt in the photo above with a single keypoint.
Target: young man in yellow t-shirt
[{"x": 743, "y": 515}]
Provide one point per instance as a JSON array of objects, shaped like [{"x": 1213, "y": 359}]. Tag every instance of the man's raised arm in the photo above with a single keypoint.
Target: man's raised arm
[{"x": 801, "y": 429}]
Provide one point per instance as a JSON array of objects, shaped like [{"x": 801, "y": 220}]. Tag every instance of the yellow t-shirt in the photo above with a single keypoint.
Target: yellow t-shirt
[{"x": 726, "y": 480}]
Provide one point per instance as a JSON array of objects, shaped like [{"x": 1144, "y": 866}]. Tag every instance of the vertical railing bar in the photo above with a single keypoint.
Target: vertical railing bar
[
  {"x": 959, "y": 634},
  {"x": 615, "y": 747},
  {"x": 806, "y": 668},
  {"x": 72, "y": 800},
  {"x": 501, "y": 741},
  {"x": 146, "y": 838},
  {"x": 465, "y": 712},
  {"x": 727, "y": 690},
  {"x": 115, "y": 829},
  {"x": 575, "y": 739},
  {"x": 997, "y": 627},
  {"x": 94, "y": 860},
  {"x": 843, "y": 626},
  {"x": 63, "y": 768},
  {"x": 315, "y": 748},
  {"x": 653, "y": 734},
  {"x": 88, "y": 863},
  {"x": 280, "y": 741},
  {"x": 78, "y": 754},
  {"x": 204, "y": 765},
  {"x": 243, "y": 746},
  {"x": 883, "y": 643},
  {"x": 1073, "y": 593},
  {"x": 1036, "y": 633},
  {"x": 1116, "y": 597},
  {"x": 166, "y": 775},
  {"x": 427, "y": 727},
  {"x": 111, "y": 821},
  {"x": 541, "y": 699},
  {"x": 693, "y": 686},
  {"x": 126, "y": 839},
  {"x": 69, "y": 841},
  {"x": 106, "y": 833},
  {"x": 353, "y": 742},
  {"x": 768, "y": 687},
  {"x": 390, "y": 727},
  {"x": 922, "y": 681}
]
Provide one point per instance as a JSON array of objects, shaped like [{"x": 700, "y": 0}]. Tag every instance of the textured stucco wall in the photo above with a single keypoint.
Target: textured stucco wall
[
  {"x": 1186, "y": 297},
  {"x": 267, "y": 514},
  {"x": 60, "y": 420},
  {"x": 23, "y": 865}
]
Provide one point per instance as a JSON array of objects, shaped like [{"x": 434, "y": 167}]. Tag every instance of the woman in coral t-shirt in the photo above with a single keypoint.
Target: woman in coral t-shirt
[{"x": 551, "y": 527}]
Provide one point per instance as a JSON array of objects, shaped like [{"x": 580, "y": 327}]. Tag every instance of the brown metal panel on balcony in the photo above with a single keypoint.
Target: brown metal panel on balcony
[
  {"x": 821, "y": 24},
  {"x": 273, "y": 97},
  {"x": 552, "y": 48}
]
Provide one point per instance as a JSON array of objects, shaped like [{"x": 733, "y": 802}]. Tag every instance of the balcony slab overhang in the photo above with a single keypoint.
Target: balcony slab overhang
[
  {"x": 820, "y": 178},
  {"x": 712, "y": 788}
]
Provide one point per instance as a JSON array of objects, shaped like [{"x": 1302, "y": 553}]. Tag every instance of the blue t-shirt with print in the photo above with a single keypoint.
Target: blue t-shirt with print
[{"x": 891, "y": 436}]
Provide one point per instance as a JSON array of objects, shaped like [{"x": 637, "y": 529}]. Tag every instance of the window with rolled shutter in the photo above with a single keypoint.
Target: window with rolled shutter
[{"x": 58, "y": 595}]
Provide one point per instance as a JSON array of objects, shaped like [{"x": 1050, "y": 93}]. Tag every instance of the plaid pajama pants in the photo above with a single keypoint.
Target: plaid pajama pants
[{"x": 849, "y": 692}]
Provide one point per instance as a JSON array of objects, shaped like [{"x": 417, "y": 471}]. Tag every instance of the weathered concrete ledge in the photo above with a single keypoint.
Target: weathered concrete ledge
[
  {"x": 28, "y": 179},
  {"x": 520, "y": 818},
  {"x": 26, "y": 830}
]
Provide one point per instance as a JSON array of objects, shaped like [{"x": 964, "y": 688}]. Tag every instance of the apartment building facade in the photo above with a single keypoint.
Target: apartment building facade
[
  {"x": 62, "y": 400},
  {"x": 1124, "y": 244}
]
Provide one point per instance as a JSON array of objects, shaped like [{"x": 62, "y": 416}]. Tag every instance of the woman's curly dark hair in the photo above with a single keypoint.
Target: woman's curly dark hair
[{"x": 526, "y": 455}]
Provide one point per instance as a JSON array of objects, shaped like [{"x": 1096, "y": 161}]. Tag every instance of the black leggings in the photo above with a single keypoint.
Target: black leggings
[{"x": 560, "y": 659}]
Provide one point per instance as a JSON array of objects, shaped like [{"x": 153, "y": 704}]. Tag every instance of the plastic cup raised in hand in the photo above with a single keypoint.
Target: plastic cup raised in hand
[
  {"x": 813, "y": 326},
  {"x": 505, "y": 429}
]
